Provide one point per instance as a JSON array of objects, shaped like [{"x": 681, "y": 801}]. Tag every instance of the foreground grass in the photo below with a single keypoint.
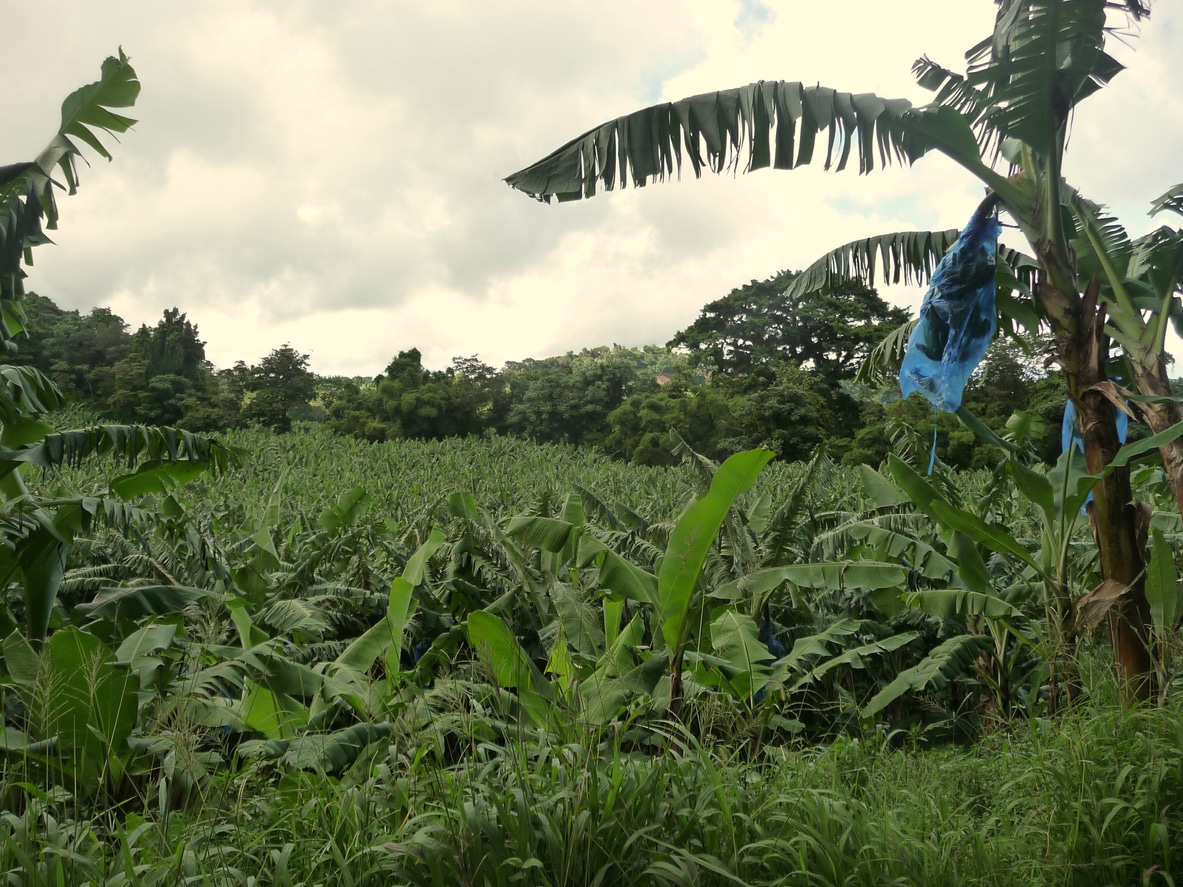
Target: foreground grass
[{"x": 1093, "y": 799}]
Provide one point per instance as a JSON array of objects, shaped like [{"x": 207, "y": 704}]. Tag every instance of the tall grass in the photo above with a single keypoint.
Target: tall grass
[{"x": 1091, "y": 799}]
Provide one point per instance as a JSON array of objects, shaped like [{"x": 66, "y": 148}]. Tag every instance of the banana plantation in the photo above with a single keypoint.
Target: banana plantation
[
  {"x": 317, "y": 659},
  {"x": 300, "y": 658}
]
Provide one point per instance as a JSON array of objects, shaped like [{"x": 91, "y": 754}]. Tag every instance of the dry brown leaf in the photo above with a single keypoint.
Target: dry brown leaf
[{"x": 1091, "y": 608}]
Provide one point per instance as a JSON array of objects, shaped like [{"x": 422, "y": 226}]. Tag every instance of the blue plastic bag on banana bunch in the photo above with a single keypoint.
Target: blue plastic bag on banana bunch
[
  {"x": 1070, "y": 434},
  {"x": 957, "y": 318}
]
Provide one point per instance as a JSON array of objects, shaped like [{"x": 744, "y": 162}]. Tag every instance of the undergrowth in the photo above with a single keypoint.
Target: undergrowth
[{"x": 1088, "y": 799}]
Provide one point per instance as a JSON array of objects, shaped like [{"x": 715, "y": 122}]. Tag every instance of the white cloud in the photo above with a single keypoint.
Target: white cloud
[{"x": 330, "y": 175}]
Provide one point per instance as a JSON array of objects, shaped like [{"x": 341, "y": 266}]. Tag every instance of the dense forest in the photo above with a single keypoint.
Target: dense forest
[{"x": 753, "y": 370}]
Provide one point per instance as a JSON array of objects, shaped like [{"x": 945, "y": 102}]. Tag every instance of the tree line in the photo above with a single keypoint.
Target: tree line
[{"x": 754, "y": 369}]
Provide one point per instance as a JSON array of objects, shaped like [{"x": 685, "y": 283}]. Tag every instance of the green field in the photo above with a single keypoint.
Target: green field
[{"x": 459, "y": 662}]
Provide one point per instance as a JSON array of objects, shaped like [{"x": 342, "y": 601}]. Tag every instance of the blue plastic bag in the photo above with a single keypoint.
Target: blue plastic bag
[
  {"x": 957, "y": 318},
  {"x": 1070, "y": 429},
  {"x": 1070, "y": 434}
]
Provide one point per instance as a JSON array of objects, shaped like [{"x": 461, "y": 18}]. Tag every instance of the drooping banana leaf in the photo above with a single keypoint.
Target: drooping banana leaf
[
  {"x": 26, "y": 392},
  {"x": 132, "y": 604},
  {"x": 856, "y": 658},
  {"x": 945, "y": 663},
  {"x": 883, "y": 361},
  {"x": 546, "y": 533},
  {"x": 765, "y": 124},
  {"x": 126, "y": 443},
  {"x": 27, "y": 189},
  {"x": 325, "y": 752},
  {"x": 907, "y": 256},
  {"x": 957, "y": 92},
  {"x": 962, "y": 602},
  {"x": 1170, "y": 200}
]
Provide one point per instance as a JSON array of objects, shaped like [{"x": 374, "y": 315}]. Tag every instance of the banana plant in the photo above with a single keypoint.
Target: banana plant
[
  {"x": 350, "y": 684},
  {"x": 281, "y": 698},
  {"x": 673, "y": 596},
  {"x": 702, "y": 631},
  {"x": 948, "y": 579},
  {"x": 588, "y": 650},
  {"x": 693, "y": 536},
  {"x": 39, "y": 533},
  {"x": 27, "y": 189},
  {"x": 1005, "y": 122},
  {"x": 1045, "y": 570}
]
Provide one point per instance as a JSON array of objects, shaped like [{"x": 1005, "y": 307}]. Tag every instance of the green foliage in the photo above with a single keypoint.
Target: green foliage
[
  {"x": 692, "y": 537},
  {"x": 946, "y": 662},
  {"x": 566, "y": 580},
  {"x": 78, "y": 352},
  {"x": 409, "y": 401},
  {"x": 567, "y": 399},
  {"x": 1088, "y": 801},
  {"x": 280, "y": 385},
  {"x": 483, "y": 661},
  {"x": 829, "y": 330},
  {"x": 642, "y": 424},
  {"x": 778, "y": 404},
  {"x": 1014, "y": 103},
  {"x": 39, "y": 532},
  {"x": 27, "y": 189},
  {"x": 789, "y": 410},
  {"x": 164, "y": 373}
]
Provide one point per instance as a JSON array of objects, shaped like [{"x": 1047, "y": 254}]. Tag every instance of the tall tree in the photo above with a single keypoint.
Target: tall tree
[
  {"x": 164, "y": 373},
  {"x": 409, "y": 400},
  {"x": 640, "y": 427},
  {"x": 567, "y": 399},
  {"x": 172, "y": 347},
  {"x": 279, "y": 385},
  {"x": 1005, "y": 121},
  {"x": 829, "y": 331}
]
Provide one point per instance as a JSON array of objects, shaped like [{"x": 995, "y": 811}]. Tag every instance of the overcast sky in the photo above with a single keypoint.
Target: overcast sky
[{"x": 329, "y": 174}]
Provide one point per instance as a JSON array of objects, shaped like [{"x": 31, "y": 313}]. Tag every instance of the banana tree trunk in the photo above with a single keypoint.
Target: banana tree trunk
[
  {"x": 1150, "y": 378},
  {"x": 1078, "y": 325}
]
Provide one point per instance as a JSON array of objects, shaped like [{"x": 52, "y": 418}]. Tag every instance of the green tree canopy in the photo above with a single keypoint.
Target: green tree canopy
[
  {"x": 78, "y": 351},
  {"x": 568, "y": 399},
  {"x": 830, "y": 330},
  {"x": 279, "y": 385},
  {"x": 163, "y": 374}
]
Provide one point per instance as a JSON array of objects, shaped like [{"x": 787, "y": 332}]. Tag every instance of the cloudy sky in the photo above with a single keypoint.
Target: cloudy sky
[{"x": 329, "y": 174}]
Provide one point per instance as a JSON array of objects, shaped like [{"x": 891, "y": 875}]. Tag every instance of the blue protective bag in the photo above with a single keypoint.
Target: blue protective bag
[
  {"x": 1070, "y": 428},
  {"x": 1070, "y": 435},
  {"x": 957, "y": 318}
]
